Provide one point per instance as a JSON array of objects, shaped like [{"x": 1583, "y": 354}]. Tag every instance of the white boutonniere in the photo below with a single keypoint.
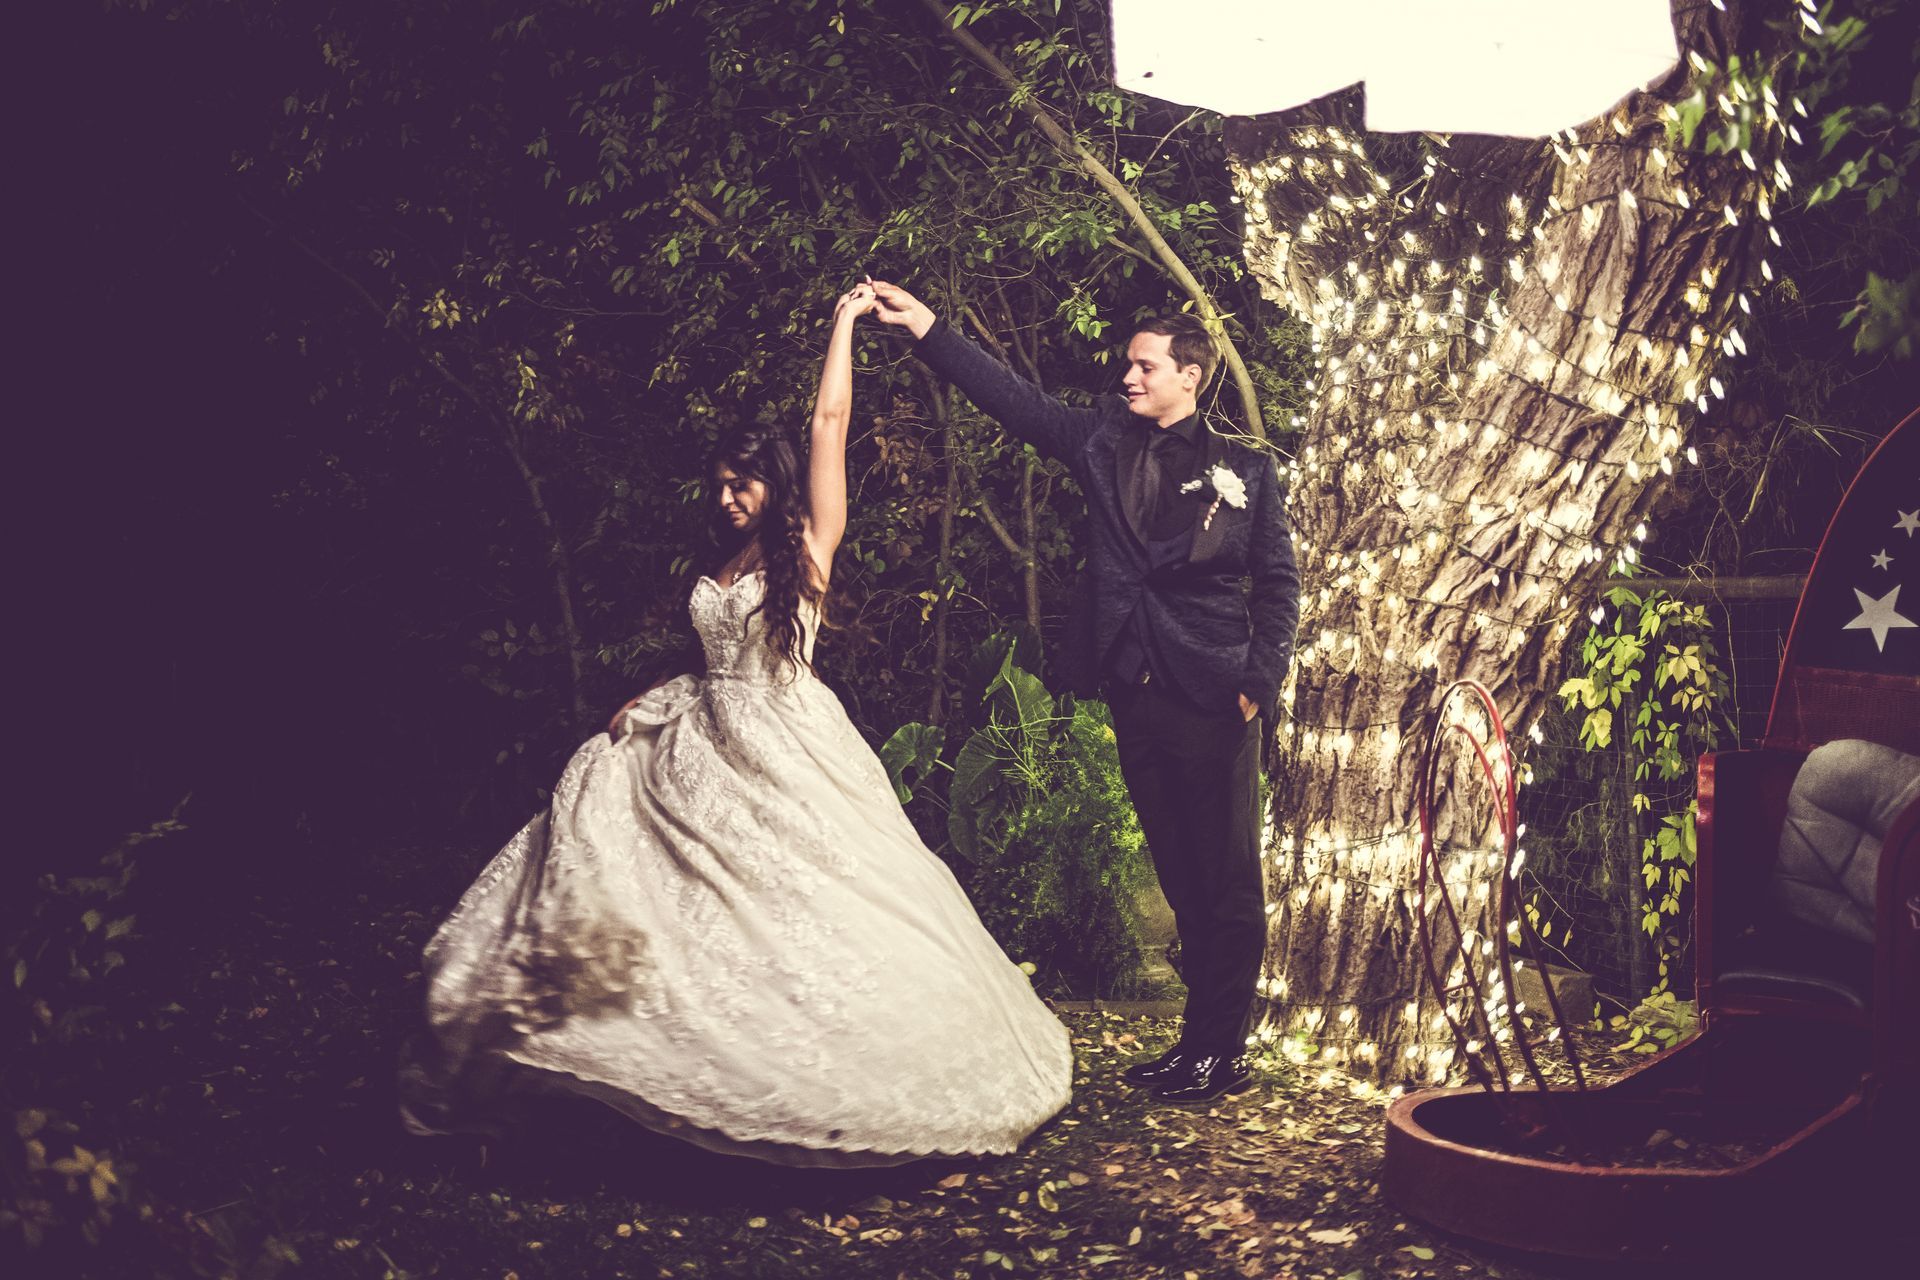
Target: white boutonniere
[{"x": 1225, "y": 486}]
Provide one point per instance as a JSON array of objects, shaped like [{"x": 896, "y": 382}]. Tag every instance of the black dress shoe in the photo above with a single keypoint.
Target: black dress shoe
[
  {"x": 1161, "y": 1068},
  {"x": 1205, "y": 1077}
]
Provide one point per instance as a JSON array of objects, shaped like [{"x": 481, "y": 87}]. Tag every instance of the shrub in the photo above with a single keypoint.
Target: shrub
[
  {"x": 1039, "y": 827},
  {"x": 75, "y": 1064}
]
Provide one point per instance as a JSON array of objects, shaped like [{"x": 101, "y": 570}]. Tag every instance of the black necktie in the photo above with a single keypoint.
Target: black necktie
[{"x": 1162, "y": 452}]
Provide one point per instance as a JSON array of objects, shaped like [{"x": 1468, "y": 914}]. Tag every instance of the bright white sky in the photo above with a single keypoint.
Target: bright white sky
[{"x": 1519, "y": 67}]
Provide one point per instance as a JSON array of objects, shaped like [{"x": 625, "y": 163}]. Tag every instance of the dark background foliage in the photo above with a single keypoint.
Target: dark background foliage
[
  {"x": 338, "y": 319},
  {"x": 324, "y": 289},
  {"x": 318, "y": 301}
]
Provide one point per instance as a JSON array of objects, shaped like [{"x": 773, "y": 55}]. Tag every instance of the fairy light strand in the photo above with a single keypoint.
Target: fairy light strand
[{"x": 1402, "y": 331}]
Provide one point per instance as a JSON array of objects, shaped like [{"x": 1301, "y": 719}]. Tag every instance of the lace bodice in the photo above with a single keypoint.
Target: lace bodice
[{"x": 733, "y": 630}]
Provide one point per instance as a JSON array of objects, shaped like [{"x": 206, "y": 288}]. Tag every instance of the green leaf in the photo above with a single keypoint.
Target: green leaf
[
  {"x": 1598, "y": 730},
  {"x": 1691, "y": 113},
  {"x": 990, "y": 655},
  {"x": 976, "y": 765},
  {"x": 1834, "y": 128},
  {"x": 1023, "y": 698},
  {"x": 910, "y": 754}
]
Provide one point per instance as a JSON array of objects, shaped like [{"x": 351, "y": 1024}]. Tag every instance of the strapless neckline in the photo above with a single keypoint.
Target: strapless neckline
[{"x": 729, "y": 586}]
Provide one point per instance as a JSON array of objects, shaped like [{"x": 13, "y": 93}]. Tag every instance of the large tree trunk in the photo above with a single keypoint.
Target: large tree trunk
[{"x": 1511, "y": 349}]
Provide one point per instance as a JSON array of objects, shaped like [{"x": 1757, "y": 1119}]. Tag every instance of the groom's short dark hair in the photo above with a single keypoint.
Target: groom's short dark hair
[{"x": 1190, "y": 343}]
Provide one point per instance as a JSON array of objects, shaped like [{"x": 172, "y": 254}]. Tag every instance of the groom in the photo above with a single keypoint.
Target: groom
[{"x": 1183, "y": 622}]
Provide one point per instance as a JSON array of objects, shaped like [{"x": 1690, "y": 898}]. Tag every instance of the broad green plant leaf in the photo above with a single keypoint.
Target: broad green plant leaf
[{"x": 910, "y": 754}]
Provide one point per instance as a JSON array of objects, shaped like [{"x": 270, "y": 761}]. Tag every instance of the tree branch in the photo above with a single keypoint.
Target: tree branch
[
  {"x": 1000, "y": 530},
  {"x": 1163, "y": 254},
  {"x": 712, "y": 219}
]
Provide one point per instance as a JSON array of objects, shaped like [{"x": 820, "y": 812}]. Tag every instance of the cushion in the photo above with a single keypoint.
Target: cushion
[{"x": 1844, "y": 799}]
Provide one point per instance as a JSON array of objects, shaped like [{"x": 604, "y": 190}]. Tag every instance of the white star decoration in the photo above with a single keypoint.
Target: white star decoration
[
  {"x": 1881, "y": 560},
  {"x": 1908, "y": 523},
  {"x": 1878, "y": 617}
]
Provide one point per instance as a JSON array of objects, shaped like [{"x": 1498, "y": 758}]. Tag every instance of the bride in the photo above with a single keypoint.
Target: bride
[{"x": 724, "y": 927}]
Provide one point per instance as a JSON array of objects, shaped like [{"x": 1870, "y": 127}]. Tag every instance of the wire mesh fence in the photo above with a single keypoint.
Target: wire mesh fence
[{"x": 1587, "y": 839}]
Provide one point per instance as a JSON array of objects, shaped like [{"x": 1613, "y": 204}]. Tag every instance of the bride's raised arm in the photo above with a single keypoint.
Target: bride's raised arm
[{"x": 827, "y": 451}]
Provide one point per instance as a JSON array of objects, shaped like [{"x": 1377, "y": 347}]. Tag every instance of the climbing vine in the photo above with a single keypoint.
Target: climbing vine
[{"x": 1650, "y": 685}]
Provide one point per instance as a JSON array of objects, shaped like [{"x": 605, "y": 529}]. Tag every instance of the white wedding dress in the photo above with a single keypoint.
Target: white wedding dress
[{"x": 725, "y": 928}]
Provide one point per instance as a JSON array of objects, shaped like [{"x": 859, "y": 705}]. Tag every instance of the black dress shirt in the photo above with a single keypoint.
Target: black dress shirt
[
  {"x": 1153, "y": 494},
  {"x": 1152, "y": 498}
]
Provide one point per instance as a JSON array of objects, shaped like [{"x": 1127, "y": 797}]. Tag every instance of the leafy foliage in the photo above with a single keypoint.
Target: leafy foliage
[
  {"x": 538, "y": 259},
  {"x": 1039, "y": 826},
  {"x": 1657, "y": 1023},
  {"x": 1654, "y": 673},
  {"x": 1841, "y": 78},
  {"x": 74, "y": 1028}
]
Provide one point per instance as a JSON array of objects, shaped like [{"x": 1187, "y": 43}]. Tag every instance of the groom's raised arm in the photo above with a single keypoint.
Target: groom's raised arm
[
  {"x": 1001, "y": 394},
  {"x": 1273, "y": 606}
]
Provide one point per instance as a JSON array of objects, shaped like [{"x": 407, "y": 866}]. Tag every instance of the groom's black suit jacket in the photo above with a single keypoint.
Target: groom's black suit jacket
[{"x": 1222, "y": 615}]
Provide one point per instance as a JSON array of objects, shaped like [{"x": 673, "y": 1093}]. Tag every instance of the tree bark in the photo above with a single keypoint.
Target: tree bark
[
  {"x": 943, "y": 597},
  {"x": 1509, "y": 353},
  {"x": 1022, "y": 555},
  {"x": 1024, "y": 549},
  {"x": 1030, "y": 536}
]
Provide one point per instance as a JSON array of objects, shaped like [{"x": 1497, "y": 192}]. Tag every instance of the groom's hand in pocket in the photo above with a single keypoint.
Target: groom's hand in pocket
[{"x": 1247, "y": 710}]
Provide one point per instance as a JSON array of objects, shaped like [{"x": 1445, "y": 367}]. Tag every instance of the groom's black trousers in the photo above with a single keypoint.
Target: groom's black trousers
[{"x": 1194, "y": 779}]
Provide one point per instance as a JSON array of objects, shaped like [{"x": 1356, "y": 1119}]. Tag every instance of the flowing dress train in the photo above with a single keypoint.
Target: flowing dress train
[{"x": 725, "y": 927}]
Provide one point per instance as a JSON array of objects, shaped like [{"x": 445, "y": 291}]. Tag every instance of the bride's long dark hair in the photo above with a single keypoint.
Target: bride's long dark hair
[{"x": 766, "y": 452}]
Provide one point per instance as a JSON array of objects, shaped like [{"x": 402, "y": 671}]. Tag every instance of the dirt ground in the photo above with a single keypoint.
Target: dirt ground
[{"x": 267, "y": 1125}]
